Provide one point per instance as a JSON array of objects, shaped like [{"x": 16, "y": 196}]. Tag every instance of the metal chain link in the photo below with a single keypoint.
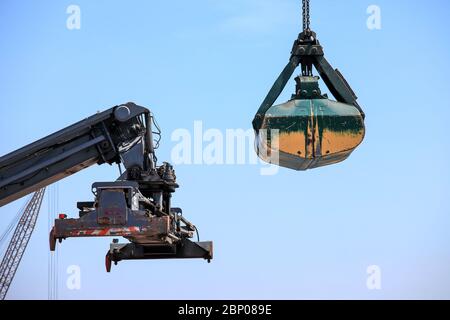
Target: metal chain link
[{"x": 306, "y": 16}]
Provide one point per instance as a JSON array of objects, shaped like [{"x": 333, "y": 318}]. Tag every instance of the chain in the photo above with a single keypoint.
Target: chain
[{"x": 306, "y": 16}]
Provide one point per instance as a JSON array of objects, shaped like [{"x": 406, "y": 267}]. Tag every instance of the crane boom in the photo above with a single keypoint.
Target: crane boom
[
  {"x": 19, "y": 241},
  {"x": 97, "y": 139}
]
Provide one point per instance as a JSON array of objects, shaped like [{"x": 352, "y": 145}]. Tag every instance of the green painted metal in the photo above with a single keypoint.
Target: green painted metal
[{"x": 310, "y": 130}]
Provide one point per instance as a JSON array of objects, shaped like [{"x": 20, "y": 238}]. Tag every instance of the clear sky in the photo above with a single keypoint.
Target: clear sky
[{"x": 292, "y": 235}]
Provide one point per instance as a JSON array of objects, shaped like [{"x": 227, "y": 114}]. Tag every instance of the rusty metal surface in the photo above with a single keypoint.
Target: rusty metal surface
[
  {"x": 138, "y": 228},
  {"x": 310, "y": 130},
  {"x": 120, "y": 209}
]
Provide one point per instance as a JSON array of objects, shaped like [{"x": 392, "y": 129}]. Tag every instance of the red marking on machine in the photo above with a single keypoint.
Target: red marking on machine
[{"x": 125, "y": 231}]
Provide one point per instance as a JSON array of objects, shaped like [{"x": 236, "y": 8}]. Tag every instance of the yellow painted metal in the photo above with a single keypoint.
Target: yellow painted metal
[{"x": 309, "y": 133}]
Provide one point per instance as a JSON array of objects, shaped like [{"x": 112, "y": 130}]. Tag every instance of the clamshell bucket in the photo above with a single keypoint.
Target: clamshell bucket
[{"x": 310, "y": 130}]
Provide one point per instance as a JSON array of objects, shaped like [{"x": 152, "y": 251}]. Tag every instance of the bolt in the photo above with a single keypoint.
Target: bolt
[{"x": 105, "y": 144}]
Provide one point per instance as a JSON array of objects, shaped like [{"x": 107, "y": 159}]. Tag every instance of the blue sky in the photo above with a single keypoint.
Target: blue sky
[{"x": 293, "y": 235}]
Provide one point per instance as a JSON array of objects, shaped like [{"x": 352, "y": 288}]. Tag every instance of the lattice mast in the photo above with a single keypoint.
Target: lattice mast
[{"x": 19, "y": 242}]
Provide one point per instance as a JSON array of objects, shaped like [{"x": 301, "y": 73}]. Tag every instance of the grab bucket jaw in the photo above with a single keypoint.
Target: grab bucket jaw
[{"x": 309, "y": 131}]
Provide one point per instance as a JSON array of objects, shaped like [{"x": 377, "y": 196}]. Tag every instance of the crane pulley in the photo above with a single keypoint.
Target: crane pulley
[{"x": 309, "y": 131}]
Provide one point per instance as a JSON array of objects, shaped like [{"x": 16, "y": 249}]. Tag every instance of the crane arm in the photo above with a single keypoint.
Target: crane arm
[
  {"x": 137, "y": 206},
  {"x": 117, "y": 135}
]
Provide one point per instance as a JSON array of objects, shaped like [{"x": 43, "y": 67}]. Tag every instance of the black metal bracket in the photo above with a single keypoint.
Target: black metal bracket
[
  {"x": 308, "y": 52},
  {"x": 185, "y": 249}
]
